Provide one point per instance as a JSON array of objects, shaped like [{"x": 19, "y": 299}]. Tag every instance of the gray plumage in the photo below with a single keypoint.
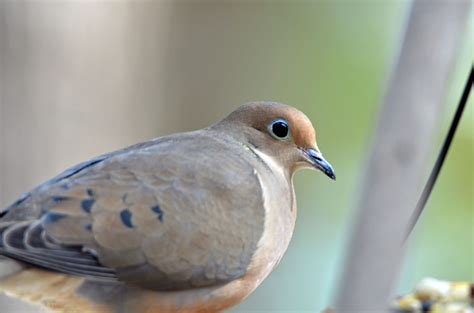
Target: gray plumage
[
  {"x": 184, "y": 224},
  {"x": 191, "y": 222}
]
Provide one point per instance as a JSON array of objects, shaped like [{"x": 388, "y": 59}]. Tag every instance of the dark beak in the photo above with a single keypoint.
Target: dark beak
[{"x": 317, "y": 160}]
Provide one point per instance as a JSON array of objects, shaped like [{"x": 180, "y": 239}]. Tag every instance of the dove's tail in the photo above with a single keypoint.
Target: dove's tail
[
  {"x": 54, "y": 291},
  {"x": 69, "y": 294}
]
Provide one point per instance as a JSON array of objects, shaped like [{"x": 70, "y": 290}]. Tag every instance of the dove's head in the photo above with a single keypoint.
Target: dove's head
[{"x": 279, "y": 132}]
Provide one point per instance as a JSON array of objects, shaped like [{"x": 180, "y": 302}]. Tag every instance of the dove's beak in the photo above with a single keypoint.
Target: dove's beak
[{"x": 317, "y": 160}]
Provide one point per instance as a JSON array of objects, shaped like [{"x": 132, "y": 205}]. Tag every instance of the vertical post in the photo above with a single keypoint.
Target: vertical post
[{"x": 407, "y": 124}]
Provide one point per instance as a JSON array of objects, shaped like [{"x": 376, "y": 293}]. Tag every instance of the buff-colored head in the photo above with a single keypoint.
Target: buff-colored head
[{"x": 279, "y": 131}]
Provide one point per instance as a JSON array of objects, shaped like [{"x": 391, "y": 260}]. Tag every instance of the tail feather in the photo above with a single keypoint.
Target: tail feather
[
  {"x": 71, "y": 294},
  {"x": 54, "y": 291}
]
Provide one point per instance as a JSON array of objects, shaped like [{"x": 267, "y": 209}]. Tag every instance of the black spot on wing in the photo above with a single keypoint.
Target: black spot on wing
[
  {"x": 52, "y": 217},
  {"x": 126, "y": 217},
  {"x": 87, "y": 204},
  {"x": 88, "y": 227},
  {"x": 58, "y": 199},
  {"x": 90, "y": 192},
  {"x": 52, "y": 202},
  {"x": 158, "y": 212}
]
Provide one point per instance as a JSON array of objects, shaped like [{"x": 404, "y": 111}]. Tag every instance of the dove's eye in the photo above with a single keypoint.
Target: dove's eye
[{"x": 279, "y": 129}]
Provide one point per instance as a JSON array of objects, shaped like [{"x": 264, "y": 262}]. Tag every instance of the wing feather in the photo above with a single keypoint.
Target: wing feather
[
  {"x": 13, "y": 245},
  {"x": 149, "y": 215}
]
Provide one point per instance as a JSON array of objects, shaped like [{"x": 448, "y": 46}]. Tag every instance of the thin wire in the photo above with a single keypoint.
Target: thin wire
[{"x": 442, "y": 155}]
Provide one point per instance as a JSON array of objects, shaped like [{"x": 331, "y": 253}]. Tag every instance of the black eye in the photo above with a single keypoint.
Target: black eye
[{"x": 279, "y": 129}]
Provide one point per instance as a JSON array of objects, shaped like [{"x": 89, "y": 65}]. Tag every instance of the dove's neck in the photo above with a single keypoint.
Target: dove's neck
[
  {"x": 257, "y": 142},
  {"x": 271, "y": 163}
]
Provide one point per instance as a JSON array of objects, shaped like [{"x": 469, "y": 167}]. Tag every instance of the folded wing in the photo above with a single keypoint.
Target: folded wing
[{"x": 151, "y": 216}]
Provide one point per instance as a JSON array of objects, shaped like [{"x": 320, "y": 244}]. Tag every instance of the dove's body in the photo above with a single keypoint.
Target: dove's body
[
  {"x": 185, "y": 226},
  {"x": 190, "y": 222}
]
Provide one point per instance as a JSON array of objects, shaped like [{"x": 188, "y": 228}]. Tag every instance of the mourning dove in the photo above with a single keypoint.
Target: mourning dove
[{"x": 191, "y": 222}]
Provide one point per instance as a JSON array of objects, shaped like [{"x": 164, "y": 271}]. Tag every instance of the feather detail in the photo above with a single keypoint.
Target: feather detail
[{"x": 54, "y": 291}]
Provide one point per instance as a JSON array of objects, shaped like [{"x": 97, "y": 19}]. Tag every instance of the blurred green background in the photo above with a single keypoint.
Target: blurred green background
[{"x": 82, "y": 78}]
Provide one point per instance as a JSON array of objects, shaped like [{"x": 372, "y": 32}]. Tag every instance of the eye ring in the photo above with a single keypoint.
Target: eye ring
[{"x": 279, "y": 129}]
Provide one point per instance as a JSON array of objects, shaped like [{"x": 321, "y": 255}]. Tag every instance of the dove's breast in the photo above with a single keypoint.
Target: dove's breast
[{"x": 280, "y": 215}]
